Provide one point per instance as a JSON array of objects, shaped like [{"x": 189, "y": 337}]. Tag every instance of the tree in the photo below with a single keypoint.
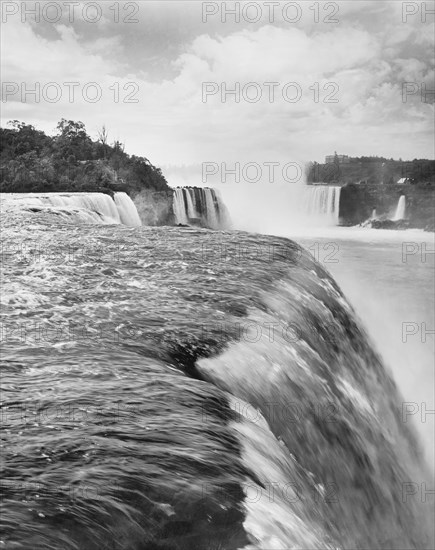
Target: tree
[
  {"x": 70, "y": 161},
  {"x": 103, "y": 136},
  {"x": 73, "y": 140}
]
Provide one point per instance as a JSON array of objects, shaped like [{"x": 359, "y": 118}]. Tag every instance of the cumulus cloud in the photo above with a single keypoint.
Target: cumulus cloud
[{"x": 347, "y": 79}]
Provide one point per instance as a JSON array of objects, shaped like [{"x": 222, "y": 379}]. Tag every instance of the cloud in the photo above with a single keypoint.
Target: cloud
[{"x": 349, "y": 76}]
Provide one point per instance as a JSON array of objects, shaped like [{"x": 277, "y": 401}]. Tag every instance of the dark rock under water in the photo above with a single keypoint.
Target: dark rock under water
[
  {"x": 389, "y": 224},
  {"x": 131, "y": 358}
]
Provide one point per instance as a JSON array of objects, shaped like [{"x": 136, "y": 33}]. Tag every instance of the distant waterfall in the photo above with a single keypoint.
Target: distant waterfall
[
  {"x": 212, "y": 208},
  {"x": 199, "y": 206},
  {"x": 323, "y": 201},
  {"x": 127, "y": 210},
  {"x": 401, "y": 209},
  {"x": 86, "y": 207},
  {"x": 180, "y": 207},
  {"x": 191, "y": 212}
]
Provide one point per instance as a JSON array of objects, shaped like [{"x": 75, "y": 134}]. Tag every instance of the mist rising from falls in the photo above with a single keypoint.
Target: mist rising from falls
[
  {"x": 199, "y": 206},
  {"x": 273, "y": 208},
  {"x": 85, "y": 207}
]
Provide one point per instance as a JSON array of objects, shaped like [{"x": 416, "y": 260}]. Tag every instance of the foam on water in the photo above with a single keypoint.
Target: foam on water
[
  {"x": 271, "y": 521},
  {"x": 84, "y": 207}
]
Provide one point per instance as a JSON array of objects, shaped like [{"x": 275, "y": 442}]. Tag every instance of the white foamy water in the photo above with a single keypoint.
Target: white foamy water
[
  {"x": 270, "y": 520},
  {"x": 127, "y": 210},
  {"x": 85, "y": 207}
]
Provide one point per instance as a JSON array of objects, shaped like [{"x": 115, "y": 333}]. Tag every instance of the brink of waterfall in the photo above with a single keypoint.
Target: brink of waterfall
[{"x": 200, "y": 206}]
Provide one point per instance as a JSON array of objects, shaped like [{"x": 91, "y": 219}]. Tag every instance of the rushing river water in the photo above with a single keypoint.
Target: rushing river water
[
  {"x": 389, "y": 278},
  {"x": 186, "y": 389}
]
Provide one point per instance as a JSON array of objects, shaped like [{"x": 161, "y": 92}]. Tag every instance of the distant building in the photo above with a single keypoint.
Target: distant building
[
  {"x": 402, "y": 181},
  {"x": 342, "y": 159}
]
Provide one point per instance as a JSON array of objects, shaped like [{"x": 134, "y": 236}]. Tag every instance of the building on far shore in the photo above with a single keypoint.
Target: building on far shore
[
  {"x": 342, "y": 159},
  {"x": 402, "y": 181}
]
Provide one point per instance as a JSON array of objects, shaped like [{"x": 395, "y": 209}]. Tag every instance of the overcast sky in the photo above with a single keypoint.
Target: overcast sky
[{"x": 359, "y": 53}]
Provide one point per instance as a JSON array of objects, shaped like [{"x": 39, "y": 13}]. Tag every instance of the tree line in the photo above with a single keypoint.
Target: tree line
[
  {"x": 32, "y": 161},
  {"x": 372, "y": 170}
]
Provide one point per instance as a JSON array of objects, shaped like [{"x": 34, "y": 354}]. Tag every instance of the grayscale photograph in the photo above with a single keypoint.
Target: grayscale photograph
[{"x": 217, "y": 271}]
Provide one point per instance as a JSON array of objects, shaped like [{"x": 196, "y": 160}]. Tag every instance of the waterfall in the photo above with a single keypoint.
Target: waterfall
[
  {"x": 337, "y": 192},
  {"x": 280, "y": 208},
  {"x": 401, "y": 208},
  {"x": 127, "y": 210},
  {"x": 212, "y": 212},
  {"x": 191, "y": 212},
  {"x": 264, "y": 206},
  {"x": 179, "y": 207},
  {"x": 95, "y": 202},
  {"x": 323, "y": 201},
  {"x": 199, "y": 206},
  {"x": 87, "y": 207}
]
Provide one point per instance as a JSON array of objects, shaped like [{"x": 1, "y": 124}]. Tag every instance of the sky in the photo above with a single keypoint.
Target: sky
[{"x": 189, "y": 83}]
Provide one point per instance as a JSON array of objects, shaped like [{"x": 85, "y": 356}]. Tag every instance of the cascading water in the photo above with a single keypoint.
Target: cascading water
[
  {"x": 212, "y": 212},
  {"x": 127, "y": 210},
  {"x": 86, "y": 207},
  {"x": 180, "y": 210},
  {"x": 191, "y": 212},
  {"x": 200, "y": 206},
  {"x": 323, "y": 201},
  {"x": 97, "y": 203},
  {"x": 401, "y": 209}
]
